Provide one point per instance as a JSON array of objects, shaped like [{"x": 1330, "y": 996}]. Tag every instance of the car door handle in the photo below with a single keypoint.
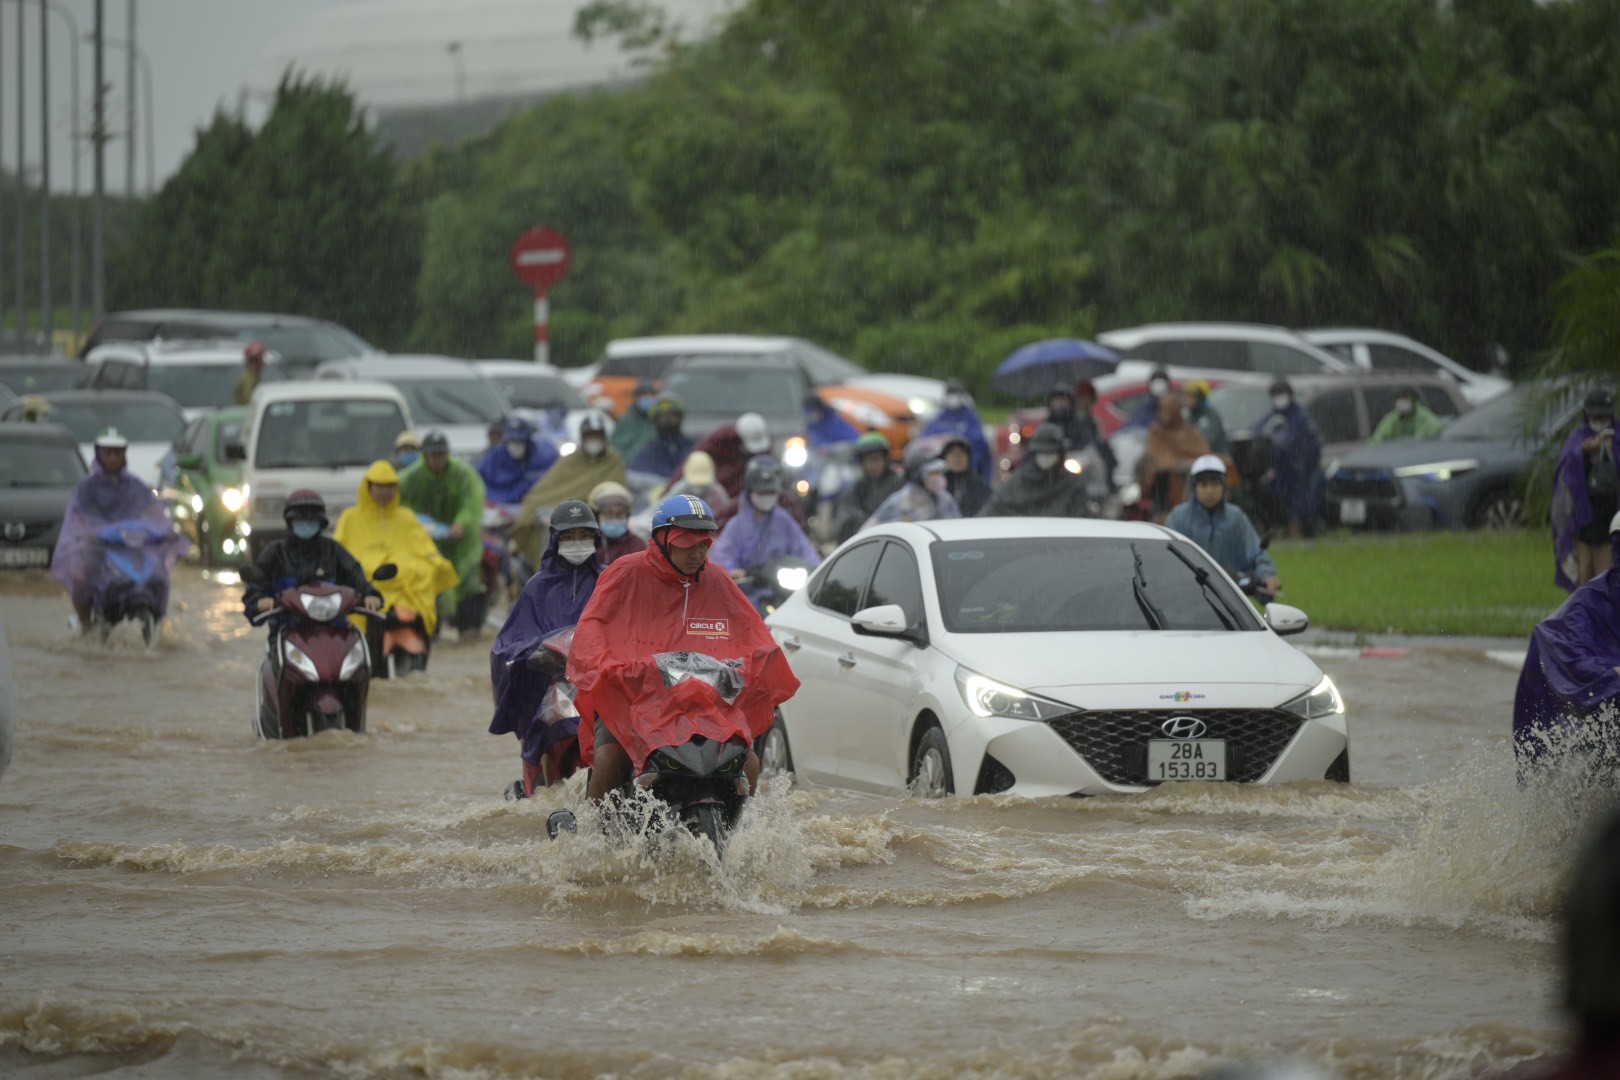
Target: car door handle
[
  {"x": 792, "y": 643},
  {"x": 847, "y": 660}
]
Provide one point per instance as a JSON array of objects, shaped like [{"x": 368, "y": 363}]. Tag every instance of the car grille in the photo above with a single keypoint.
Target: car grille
[
  {"x": 1362, "y": 484},
  {"x": 1115, "y": 742},
  {"x": 25, "y": 532}
]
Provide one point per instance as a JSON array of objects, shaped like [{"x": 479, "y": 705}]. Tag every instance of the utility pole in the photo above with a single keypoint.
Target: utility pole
[
  {"x": 22, "y": 177},
  {"x": 2, "y": 192},
  {"x": 98, "y": 139},
  {"x": 129, "y": 106},
  {"x": 46, "y": 315}
]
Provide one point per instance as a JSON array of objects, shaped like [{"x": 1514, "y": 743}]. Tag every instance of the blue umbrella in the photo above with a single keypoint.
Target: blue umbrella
[{"x": 1034, "y": 369}]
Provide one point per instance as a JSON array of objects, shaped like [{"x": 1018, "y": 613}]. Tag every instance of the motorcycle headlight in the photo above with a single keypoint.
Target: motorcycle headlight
[
  {"x": 295, "y": 656},
  {"x": 357, "y": 659},
  {"x": 795, "y": 453},
  {"x": 232, "y": 499},
  {"x": 1073, "y": 466},
  {"x": 1438, "y": 470},
  {"x": 196, "y": 504},
  {"x": 1322, "y": 700},
  {"x": 792, "y": 578},
  {"x": 321, "y": 608},
  {"x": 986, "y": 697}
]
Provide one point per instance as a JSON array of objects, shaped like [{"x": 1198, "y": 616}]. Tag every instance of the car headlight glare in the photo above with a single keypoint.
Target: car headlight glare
[
  {"x": 986, "y": 697},
  {"x": 792, "y": 578},
  {"x": 357, "y": 659},
  {"x": 795, "y": 453},
  {"x": 1322, "y": 700},
  {"x": 1439, "y": 470},
  {"x": 232, "y": 499},
  {"x": 295, "y": 656}
]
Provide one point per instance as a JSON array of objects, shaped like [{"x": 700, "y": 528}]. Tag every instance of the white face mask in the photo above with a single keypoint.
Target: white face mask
[
  {"x": 576, "y": 551},
  {"x": 1403, "y": 407},
  {"x": 517, "y": 449},
  {"x": 1158, "y": 388},
  {"x": 1279, "y": 402},
  {"x": 762, "y": 503},
  {"x": 593, "y": 447},
  {"x": 1046, "y": 461},
  {"x": 954, "y": 401}
]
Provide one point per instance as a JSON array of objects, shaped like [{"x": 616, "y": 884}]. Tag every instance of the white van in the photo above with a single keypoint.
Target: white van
[{"x": 317, "y": 435}]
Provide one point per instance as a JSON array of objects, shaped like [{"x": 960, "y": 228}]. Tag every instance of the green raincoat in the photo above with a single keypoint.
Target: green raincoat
[{"x": 453, "y": 497}]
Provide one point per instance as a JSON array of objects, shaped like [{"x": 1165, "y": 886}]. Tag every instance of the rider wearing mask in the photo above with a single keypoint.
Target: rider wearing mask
[
  {"x": 1585, "y": 493},
  {"x": 662, "y": 601},
  {"x": 1221, "y": 529},
  {"x": 1148, "y": 411},
  {"x": 1171, "y": 446},
  {"x": 512, "y": 466},
  {"x": 958, "y": 418},
  {"x": 966, "y": 486},
  {"x": 663, "y": 453},
  {"x": 377, "y": 530},
  {"x": 571, "y": 478},
  {"x": 450, "y": 493},
  {"x": 305, "y": 555},
  {"x": 1409, "y": 419},
  {"x": 926, "y": 493},
  {"x": 697, "y": 478},
  {"x": 1295, "y": 479},
  {"x": 407, "y": 450},
  {"x": 761, "y": 530},
  {"x": 612, "y": 503},
  {"x": 551, "y": 600},
  {"x": 635, "y": 428},
  {"x": 1040, "y": 486},
  {"x": 878, "y": 480},
  {"x": 731, "y": 446},
  {"x": 107, "y": 495},
  {"x": 1203, "y": 416}
]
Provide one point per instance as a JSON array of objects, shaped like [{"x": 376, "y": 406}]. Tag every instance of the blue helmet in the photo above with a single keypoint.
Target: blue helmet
[
  {"x": 517, "y": 429},
  {"x": 684, "y": 512}
]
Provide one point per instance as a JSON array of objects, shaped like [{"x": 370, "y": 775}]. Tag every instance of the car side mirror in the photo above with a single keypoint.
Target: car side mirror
[
  {"x": 188, "y": 461},
  {"x": 1285, "y": 620},
  {"x": 887, "y": 620},
  {"x": 386, "y": 572},
  {"x": 235, "y": 451}
]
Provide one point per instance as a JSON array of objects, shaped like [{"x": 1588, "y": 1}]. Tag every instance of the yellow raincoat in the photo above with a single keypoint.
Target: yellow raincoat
[{"x": 376, "y": 534}]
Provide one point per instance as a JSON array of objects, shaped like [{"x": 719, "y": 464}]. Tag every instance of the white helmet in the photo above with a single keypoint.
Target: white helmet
[
  {"x": 111, "y": 438},
  {"x": 1614, "y": 525},
  {"x": 755, "y": 436},
  {"x": 1208, "y": 463}
]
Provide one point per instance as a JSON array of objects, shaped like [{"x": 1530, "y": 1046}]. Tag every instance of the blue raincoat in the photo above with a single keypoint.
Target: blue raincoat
[
  {"x": 551, "y": 600},
  {"x": 506, "y": 478},
  {"x": 1296, "y": 462},
  {"x": 964, "y": 421},
  {"x": 1226, "y": 535},
  {"x": 1572, "y": 510},
  {"x": 660, "y": 456},
  {"x": 829, "y": 430}
]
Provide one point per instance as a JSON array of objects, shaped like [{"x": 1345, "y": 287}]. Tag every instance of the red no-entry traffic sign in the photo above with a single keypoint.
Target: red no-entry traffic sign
[{"x": 540, "y": 258}]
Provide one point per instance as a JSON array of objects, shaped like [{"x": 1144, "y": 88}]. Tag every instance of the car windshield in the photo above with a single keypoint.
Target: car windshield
[
  {"x": 1502, "y": 417},
  {"x": 537, "y": 391},
  {"x": 1034, "y": 585},
  {"x": 138, "y": 421},
  {"x": 26, "y": 464},
  {"x": 451, "y": 400},
  {"x": 331, "y": 433},
  {"x": 825, "y": 368},
  {"x": 1241, "y": 408},
  {"x": 196, "y": 386},
  {"x": 775, "y": 393},
  {"x": 41, "y": 378}
]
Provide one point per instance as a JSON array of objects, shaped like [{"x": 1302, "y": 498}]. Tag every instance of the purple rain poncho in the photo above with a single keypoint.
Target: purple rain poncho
[
  {"x": 552, "y": 600},
  {"x": 1571, "y": 505},
  {"x": 1572, "y": 669},
  {"x": 103, "y": 499},
  {"x": 751, "y": 538}
]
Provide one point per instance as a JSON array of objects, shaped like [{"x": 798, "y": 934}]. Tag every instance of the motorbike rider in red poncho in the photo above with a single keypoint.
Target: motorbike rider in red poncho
[{"x": 656, "y": 601}]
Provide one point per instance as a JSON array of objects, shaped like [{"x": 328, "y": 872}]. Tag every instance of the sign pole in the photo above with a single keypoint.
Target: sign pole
[{"x": 542, "y": 332}]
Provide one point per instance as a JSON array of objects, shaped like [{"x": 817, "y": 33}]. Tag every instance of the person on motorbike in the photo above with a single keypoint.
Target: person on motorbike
[
  {"x": 761, "y": 530},
  {"x": 697, "y": 478},
  {"x": 571, "y": 478},
  {"x": 612, "y": 503},
  {"x": 1158, "y": 387},
  {"x": 407, "y": 450},
  {"x": 926, "y": 493},
  {"x": 1172, "y": 445},
  {"x": 878, "y": 480},
  {"x": 551, "y": 600},
  {"x": 1221, "y": 529},
  {"x": 823, "y": 427},
  {"x": 109, "y": 495},
  {"x": 1204, "y": 416},
  {"x": 450, "y": 493},
  {"x": 1409, "y": 418},
  {"x": 512, "y": 466},
  {"x": 658, "y": 601},
  {"x": 377, "y": 530},
  {"x": 665, "y": 450},
  {"x": 1586, "y": 493},
  {"x": 731, "y": 446},
  {"x": 959, "y": 418},
  {"x": 1079, "y": 428},
  {"x": 305, "y": 555},
  {"x": 966, "y": 486},
  {"x": 635, "y": 426},
  {"x": 1040, "y": 486}
]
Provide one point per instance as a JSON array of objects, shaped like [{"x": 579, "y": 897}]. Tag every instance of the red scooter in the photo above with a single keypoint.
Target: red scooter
[{"x": 317, "y": 670}]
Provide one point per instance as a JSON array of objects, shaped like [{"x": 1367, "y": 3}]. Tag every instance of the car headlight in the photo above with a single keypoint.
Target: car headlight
[
  {"x": 986, "y": 697},
  {"x": 295, "y": 656},
  {"x": 792, "y": 578},
  {"x": 1439, "y": 470},
  {"x": 357, "y": 659},
  {"x": 795, "y": 453},
  {"x": 1322, "y": 700},
  {"x": 567, "y": 448},
  {"x": 232, "y": 499},
  {"x": 321, "y": 608}
]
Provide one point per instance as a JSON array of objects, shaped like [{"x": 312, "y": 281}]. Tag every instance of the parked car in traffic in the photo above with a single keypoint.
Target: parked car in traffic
[
  {"x": 1384, "y": 352},
  {"x": 1038, "y": 657},
  {"x": 203, "y": 487},
  {"x": 532, "y": 390},
  {"x": 1191, "y": 349},
  {"x": 1472, "y": 476},
  {"x": 301, "y": 342},
  {"x": 198, "y": 375},
  {"x": 39, "y": 466},
  {"x": 447, "y": 395},
  {"x": 321, "y": 435},
  {"x": 150, "y": 422}
]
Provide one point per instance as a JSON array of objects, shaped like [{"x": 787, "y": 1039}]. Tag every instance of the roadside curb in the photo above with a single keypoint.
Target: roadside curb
[{"x": 1509, "y": 652}]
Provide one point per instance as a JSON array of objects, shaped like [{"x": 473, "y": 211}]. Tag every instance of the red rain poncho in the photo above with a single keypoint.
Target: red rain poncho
[{"x": 642, "y": 606}]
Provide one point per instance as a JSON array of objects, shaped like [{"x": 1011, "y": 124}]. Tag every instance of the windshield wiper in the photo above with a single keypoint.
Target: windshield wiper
[
  {"x": 1153, "y": 615},
  {"x": 1215, "y": 600}
]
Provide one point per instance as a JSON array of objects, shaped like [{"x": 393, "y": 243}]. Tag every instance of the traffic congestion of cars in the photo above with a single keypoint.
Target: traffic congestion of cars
[{"x": 1060, "y": 655}]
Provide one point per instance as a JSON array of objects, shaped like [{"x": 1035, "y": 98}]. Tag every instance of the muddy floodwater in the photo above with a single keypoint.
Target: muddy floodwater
[{"x": 179, "y": 899}]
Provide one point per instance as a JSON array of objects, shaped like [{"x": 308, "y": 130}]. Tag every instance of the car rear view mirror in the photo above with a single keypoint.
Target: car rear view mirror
[
  {"x": 235, "y": 451},
  {"x": 886, "y": 620},
  {"x": 1286, "y": 620}
]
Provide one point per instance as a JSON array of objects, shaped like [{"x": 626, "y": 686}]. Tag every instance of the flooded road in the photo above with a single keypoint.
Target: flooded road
[{"x": 178, "y": 899}]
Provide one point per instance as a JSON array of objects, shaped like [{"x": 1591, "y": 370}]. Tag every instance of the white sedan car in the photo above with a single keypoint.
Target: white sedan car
[{"x": 1043, "y": 656}]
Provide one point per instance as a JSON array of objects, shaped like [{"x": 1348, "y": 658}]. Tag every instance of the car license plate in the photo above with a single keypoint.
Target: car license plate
[
  {"x": 1186, "y": 759},
  {"x": 28, "y": 556},
  {"x": 1353, "y": 511}
]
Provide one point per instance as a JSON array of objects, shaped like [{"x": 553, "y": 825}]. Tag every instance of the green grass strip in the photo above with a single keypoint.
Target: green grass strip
[{"x": 1466, "y": 583}]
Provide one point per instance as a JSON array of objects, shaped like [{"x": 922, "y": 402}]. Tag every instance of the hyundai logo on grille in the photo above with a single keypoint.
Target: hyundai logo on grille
[
  {"x": 1184, "y": 727},
  {"x": 15, "y": 530}
]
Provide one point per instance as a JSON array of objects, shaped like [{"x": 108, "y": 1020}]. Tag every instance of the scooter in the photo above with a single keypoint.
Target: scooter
[
  {"x": 317, "y": 670},
  {"x": 770, "y": 583},
  {"x": 398, "y": 642},
  {"x": 134, "y": 582}
]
